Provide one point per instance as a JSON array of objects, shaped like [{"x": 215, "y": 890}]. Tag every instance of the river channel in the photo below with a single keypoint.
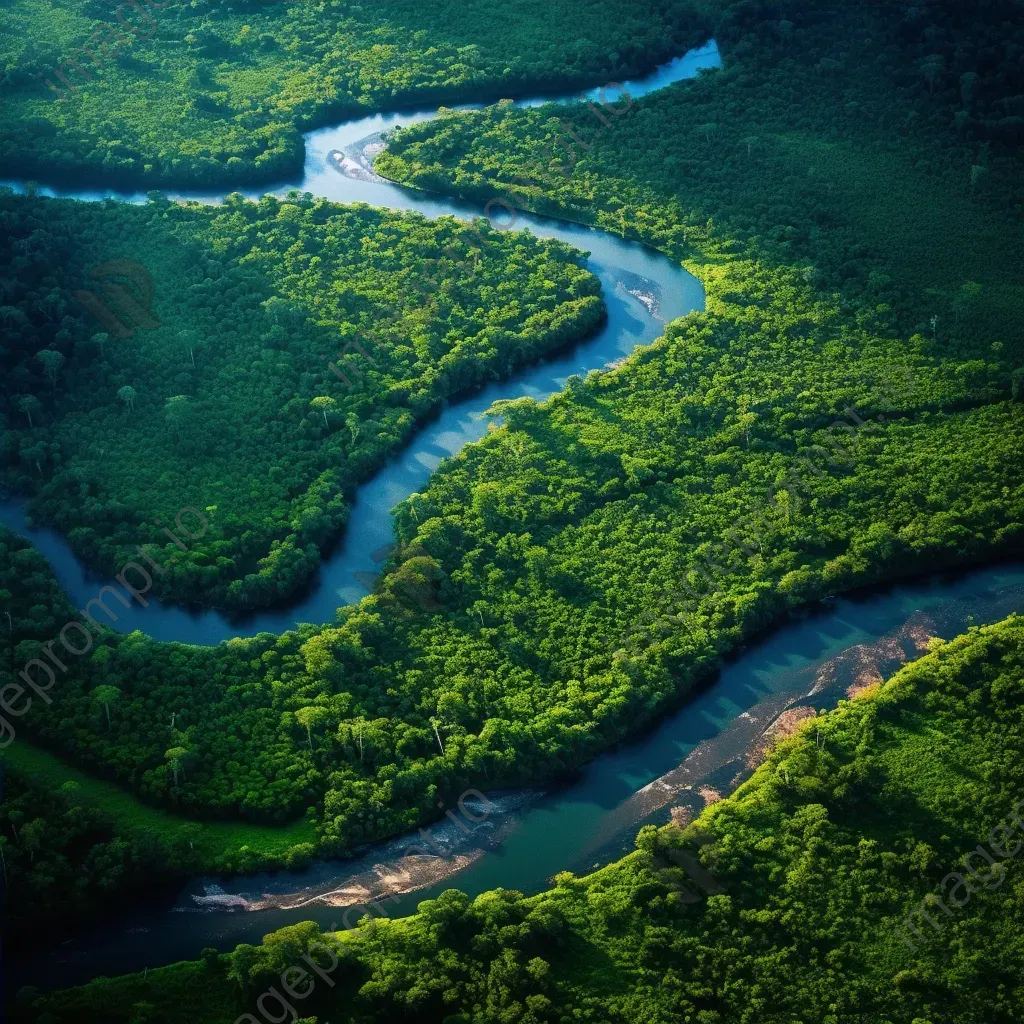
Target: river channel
[{"x": 518, "y": 840}]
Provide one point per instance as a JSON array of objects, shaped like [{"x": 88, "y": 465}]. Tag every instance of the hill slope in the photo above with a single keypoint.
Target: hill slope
[{"x": 821, "y": 862}]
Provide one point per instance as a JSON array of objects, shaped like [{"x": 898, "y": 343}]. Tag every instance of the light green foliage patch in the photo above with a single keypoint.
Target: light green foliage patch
[
  {"x": 204, "y": 92},
  {"x": 212, "y": 839}
]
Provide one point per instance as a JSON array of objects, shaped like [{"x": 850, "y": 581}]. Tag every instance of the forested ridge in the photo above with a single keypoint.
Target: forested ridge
[
  {"x": 818, "y": 860},
  {"x": 203, "y": 92},
  {"x": 225, "y": 399}
]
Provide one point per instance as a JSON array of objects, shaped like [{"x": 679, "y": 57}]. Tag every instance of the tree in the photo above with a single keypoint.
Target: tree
[
  {"x": 746, "y": 418},
  {"x": 100, "y": 340},
  {"x": 966, "y": 299},
  {"x": 189, "y": 341},
  {"x": 175, "y": 756},
  {"x": 358, "y": 729},
  {"x": 931, "y": 68},
  {"x": 178, "y": 412},
  {"x": 106, "y": 695},
  {"x": 308, "y": 717},
  {"x": 710, "y": 130},
  {"x": 31, "y": 837},
  {"x": 354, "y": 425},
  {"x": 128, "y": 395},
  {"x": 29, "y": 404},
  {"x": 968, "y": 87},
  {"x": 6, "y": 602},
  {"x": 142, "y": 1013},
  {"x": 12, "y": 315},
  {"x": 451, "y": 707},
  {"x": 434, "y": 722},
  {"x": 324, "y": 403},
  {"x": 52, "y": 362},
  {"x": 191, "y": 834},
  {"x": 36, "y": 454}
]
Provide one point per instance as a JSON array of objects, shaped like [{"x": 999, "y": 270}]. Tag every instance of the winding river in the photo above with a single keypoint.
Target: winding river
[
  {"x": 642, "y": 288},
  {"x": 700, "y": 751},
  {"x": 703, "y": 750}
]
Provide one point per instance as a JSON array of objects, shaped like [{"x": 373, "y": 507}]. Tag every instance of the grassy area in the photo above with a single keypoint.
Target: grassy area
[{"x": 214, "y": 840}]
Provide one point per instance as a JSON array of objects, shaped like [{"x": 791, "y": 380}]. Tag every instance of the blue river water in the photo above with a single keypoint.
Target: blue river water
[
  {"x": 703, "y": 749},
  {"x": 665, "y": 290}
]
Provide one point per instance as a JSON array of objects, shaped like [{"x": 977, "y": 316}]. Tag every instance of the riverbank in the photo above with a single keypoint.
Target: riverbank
[
  {"x": 706, "y": 746},
  {"x": 812, "y": 845}
]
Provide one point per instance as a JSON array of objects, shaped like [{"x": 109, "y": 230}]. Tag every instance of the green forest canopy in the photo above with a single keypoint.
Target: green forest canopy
[
  {"x": 596, "y": 556},
  {"x": 226, "y": 401},
  {"x": 587, "y": 563},
  {"x": 821, "y": 857},
  {"x": 867, "y": 147},
  {"x": 212, "y": 92}
]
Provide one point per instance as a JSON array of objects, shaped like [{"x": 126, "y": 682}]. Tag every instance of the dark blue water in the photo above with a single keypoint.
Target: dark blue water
[{"x": 529, "y": 836}]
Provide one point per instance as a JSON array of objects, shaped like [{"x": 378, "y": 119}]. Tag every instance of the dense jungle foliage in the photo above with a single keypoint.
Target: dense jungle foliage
[
  {"x": 819, "y": 860},
  {"x": 224, "y": 398},
  {"x": 846, "y": 410},
  {"x": 65, "y": 858},
  {"x": 70, "y": 842},
  {"x": 872, "y": 148},
  {"x": 90, "y": 845},
  {"x": 201, "y": 92},
  {"x": 367, "y": 722},
  {"x": 561, "y": 582}
]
